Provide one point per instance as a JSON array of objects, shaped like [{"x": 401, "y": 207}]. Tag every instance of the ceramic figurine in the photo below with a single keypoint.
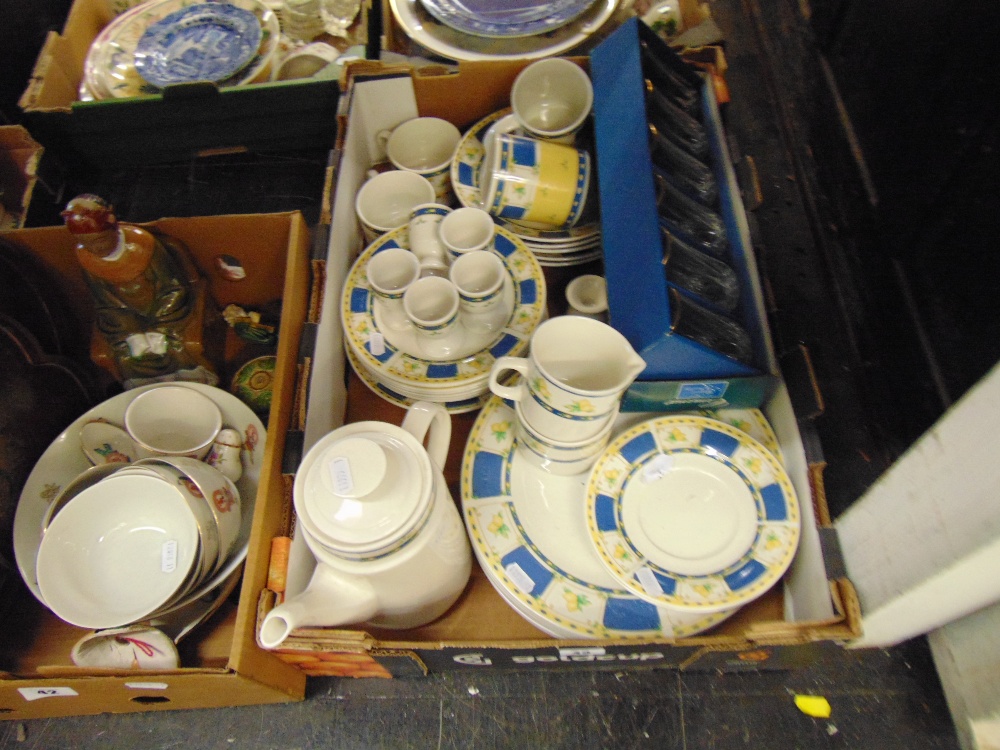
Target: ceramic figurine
[{"x": 149, "y": 300}]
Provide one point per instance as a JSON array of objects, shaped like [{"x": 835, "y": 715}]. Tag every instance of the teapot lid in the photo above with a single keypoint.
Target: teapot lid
[{"x": 363, "y": 487}]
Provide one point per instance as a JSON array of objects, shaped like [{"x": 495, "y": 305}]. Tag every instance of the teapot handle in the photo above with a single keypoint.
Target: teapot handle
[{"x": 432, "y": 421}]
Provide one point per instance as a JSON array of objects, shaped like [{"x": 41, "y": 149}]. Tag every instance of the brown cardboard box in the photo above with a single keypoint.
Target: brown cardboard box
[
  {"x": 814, "y": 608},
  {"x": 19, "y": 157},
  {"x": 222, "y": 666}
]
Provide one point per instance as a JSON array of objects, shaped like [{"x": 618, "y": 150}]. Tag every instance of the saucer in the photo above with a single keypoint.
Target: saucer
[
  {"x": 692, "y": 514},
  {"x": 64, "y": 460},
  {"x": 466, "y": 182},
  {"x": 505, "y": 19},
  {"x": 528, "y": 530},
  {"x": 204, "y": 42},
  {"x": 105, "y": 443},
  {"x": 392, "y": 356}
]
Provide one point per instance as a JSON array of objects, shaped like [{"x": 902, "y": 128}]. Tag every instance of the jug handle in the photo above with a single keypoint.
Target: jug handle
[
  {"x": 502, "y": 364},
  {"x": 433, "y": 422}
]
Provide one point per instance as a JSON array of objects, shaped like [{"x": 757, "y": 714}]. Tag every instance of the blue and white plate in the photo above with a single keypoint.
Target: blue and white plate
[
  {"x": 506, "y": 18},
  {"x": 529, "y": 532},
  {"x": 692, "y": 514},
  {"x": 392, "y": 357},
  {"x": 205, "y": 42}
]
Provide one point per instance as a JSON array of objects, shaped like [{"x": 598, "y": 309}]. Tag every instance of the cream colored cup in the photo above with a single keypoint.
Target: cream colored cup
[
  {"x": 385, "y": 201},
  {"x": 426, "y": 146},
  {"x": 390, "y": 273},
  {"x": 587, "y": 296},
  {"x": 173, "y": 420},
  {"x": 557, "y": 456},
  {"x": 537, "y": 181},
  {"x": 573, "y": 378},
  {"x": 431, "y": 304},
  {"x": 425, "y": 238},
  {"x": 552, "y": 98},
  {"x": 465, "y": 230},
  {"x": 479, "y": 276}
]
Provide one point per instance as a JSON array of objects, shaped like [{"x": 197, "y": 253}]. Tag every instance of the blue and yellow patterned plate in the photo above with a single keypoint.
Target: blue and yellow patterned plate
[
  {"x": 692, "y": 514},
  {"x": 529, "y": 533},
  {"x": 392, "y": 357}
]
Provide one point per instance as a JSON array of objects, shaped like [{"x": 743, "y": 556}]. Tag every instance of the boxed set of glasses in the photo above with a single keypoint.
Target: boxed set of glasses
[{"x": 514, "y": 404}]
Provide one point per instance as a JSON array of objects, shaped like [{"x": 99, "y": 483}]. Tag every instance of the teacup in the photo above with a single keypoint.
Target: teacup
[
  {"x": 573, "y": 378},
  {"x": 479, "y": 278},
  {"x": 386, "y": 200},
  {"x": 390, "y": 273},
  {"x": 173, "y": 420},
  {"x": 536, "y": 181},
  {"x": 559, "y": 456},
  {"x": 424, "y": 145},
  {"x": 552, "y": 98},
  {"x": 431, "y": 304}
]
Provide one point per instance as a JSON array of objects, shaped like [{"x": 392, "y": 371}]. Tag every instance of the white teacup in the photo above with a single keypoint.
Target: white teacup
[
  {"x": 552, "y": 98},
  {"x": 390, "y": 273},
  {"x": 558, "y": 456},
  {"x": 537, "y": 181},
  {"x": 431, "y": 304},
  {"x": 573, "y": 378},
  {"x": 173, "y": 420},
  {"x": 425, "y": 239},
  {"x": 467, "y": 229},
  {"x": 386, "y": 200},
  {"x": 479, "y": 276},
  {"x": 424, "y": 145}
]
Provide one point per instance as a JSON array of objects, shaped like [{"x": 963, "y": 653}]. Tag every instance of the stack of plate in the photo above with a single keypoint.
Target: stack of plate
[
  {"x": 494, "y": 29},
  {"x": 389, "y": 361},
  {"x": 552, "y": 247},
  {"x": 163, "y": 42},
  {"x": 682, "y": 520}
]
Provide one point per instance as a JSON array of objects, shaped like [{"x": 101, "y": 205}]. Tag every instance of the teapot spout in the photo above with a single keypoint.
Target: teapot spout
[{"x": 331, "y": 599}]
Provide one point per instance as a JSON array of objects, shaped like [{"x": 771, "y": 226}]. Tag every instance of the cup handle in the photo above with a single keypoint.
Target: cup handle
[
  {"x": 502, "y": 364},
  {"x": 433, "y": 422},
  {"x": 382, "y": 138}
]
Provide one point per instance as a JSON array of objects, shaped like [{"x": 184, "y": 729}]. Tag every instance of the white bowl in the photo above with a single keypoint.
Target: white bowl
[{"x": 117, "y": 552}]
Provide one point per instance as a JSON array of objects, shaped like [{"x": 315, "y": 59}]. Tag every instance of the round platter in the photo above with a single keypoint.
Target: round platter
[
  {"x": 692, "y": 514},
  {"x": 388, "y": 355},
  {"x": 64, "y": 460},
  {"x": 109, "y": 68},
  {"x": 528, "y": 530},
  {"x": 206, "y": 42},
  {"x": 496, "y": 18},
  {"x": 441, "y": 39}
]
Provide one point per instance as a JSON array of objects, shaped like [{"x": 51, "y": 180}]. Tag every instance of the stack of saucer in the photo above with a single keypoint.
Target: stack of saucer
[
  {"x": 552, "y": 247},
  {"x": 389, "y": 361}
]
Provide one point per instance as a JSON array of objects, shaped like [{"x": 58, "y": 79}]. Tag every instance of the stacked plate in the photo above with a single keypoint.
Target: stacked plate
[
  {"x": 493, "y": 29},
  {"x": 389, "y": 361},
  {"x": 188, "y": 527},
  {"x": 163, "y": 42},
  {"x": 551, "y": 247},
  {"x": 702, "y": 505}
]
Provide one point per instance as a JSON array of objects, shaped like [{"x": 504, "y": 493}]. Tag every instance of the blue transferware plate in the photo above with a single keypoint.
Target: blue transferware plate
[
  {"x": 506, "y": 18},
  {"x": 205, "y": 42}
]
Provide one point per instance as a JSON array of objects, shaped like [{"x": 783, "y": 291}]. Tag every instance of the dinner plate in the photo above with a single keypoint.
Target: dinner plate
[
  {"x": 204, "y": 42},
  {"x": 466, "y": 182},
  {"x": 64, "y": 460},
  {"x": 528, "y": 530},
  {"x": 443, "y": 40},
  {"x": 392, "y": 356},
  {"x": 109, "y": 68},
  {"x": 692, "y": 514},
  {"x": 505, "y": 18}
]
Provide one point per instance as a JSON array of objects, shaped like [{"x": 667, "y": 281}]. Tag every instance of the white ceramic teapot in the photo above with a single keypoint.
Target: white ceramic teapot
[{"x": 374, "y": 508}]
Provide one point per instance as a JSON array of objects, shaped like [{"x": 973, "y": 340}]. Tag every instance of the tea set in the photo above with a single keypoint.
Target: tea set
[{"x": 134, "y": 523}]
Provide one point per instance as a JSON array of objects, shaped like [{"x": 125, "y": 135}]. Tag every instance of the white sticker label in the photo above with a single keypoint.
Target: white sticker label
[
  {"x": 657, "y": 467},
  {"x": 168, "y": 556},
  {"x": 521, "y": 579},
  {"x": 376, "y": 342},
  {"x": 571, "y": 652},
  {"x": 146, "y": 685},
  {"x": 340, "y": 474},
  {"x": 33, "y": 694},
  {"x": 648, "y": 582}
]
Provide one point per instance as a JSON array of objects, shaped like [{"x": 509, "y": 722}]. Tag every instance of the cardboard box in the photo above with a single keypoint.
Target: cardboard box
[
  {"x": 810, "y": 611},
  {"x": 681, "y": 373},
  {"x": 172, "y": 126},
  {"x": 19, "y": 157},
  {"x": 222, "y": 666}
]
